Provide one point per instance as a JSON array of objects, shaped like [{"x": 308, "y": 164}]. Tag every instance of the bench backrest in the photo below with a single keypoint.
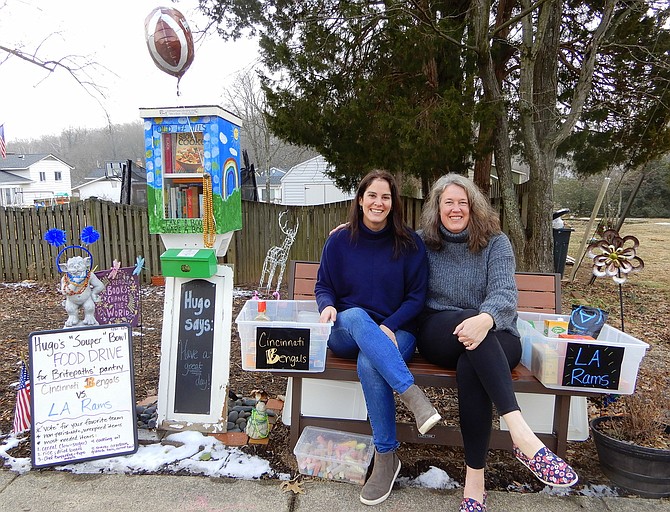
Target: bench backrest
[{"x": 540, "y": 293}]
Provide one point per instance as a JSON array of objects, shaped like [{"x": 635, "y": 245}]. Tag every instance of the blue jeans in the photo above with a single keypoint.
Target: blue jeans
[{"x": 381, "y": 368}]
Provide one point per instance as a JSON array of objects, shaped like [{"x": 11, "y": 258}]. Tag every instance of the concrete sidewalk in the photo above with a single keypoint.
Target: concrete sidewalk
[{"x": 46, "y": 491}]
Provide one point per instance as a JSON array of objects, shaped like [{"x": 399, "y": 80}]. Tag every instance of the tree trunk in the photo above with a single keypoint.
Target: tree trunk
[{"x": 501, "y": 140}]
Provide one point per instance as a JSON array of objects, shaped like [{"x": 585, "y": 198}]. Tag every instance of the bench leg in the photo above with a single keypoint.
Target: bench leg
[
  {"x": 296, "y": 407},
  {"x": 561, "y": 423}
]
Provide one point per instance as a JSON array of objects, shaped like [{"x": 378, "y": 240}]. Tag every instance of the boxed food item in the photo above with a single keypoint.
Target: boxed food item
[
  {"x": 287, "y": 337},
  {"x": 553, "y": 328},
  {"x": 334, "y": 454},
  {"x": 576, "y": 336},
  {"x": 608, "y": 364}
]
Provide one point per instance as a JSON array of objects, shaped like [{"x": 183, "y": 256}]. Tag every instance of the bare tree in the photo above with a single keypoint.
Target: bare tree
[{"x": 247, "y": 100}]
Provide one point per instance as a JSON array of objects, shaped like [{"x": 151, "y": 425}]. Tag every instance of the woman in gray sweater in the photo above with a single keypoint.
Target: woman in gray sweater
[{"x": 469, "y": 324}]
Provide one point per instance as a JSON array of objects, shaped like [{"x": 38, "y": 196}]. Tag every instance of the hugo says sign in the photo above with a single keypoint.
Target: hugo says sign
[
  {"x": 282, "y": 348},
  {"x": 592, "y": 366}
]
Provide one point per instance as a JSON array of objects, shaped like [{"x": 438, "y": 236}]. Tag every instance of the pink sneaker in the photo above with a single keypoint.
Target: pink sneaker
[{"x": 548, "y": 467}]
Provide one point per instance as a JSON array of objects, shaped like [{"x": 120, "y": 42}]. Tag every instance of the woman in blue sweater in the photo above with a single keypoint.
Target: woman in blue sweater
[
  {"x": 372, "y": 284},
  {"x": 469, "y": 324}
]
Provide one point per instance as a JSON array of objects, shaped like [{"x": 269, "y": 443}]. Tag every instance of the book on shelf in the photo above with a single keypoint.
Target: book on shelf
[
  {"x": 188, "y": 152},
  {"x": 168, "y": 152},
  {"x": 183, "y": 200}
]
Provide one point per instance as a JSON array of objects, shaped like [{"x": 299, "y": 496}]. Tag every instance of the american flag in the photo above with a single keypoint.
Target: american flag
[
  {"x": 22, "y": 409},
  {"x": 3, "y": 148}
]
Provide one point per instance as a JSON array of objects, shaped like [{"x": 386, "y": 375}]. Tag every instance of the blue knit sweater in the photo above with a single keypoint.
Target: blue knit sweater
[
  {"x": 484, "y": 281},
  {"x": 363, "y": 273}
]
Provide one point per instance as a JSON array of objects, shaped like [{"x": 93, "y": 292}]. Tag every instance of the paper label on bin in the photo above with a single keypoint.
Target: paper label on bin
[
  {"x": 188, "y": 253},
  {"x": 592, "y": 366},
  {"x": 282, "y": 348}
]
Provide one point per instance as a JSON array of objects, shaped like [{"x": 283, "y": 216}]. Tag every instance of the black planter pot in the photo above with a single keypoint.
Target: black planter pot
[{"x": 643, "y": 471}]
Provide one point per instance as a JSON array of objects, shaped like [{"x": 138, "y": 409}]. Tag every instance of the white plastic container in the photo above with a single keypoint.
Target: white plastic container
[
  {"x": 538, "y": 411},
  {"x": 282, "y": 351},
  {"x": 325, "y": 398},
  {"x": 580, "y": 365},
  {"x": 334, "y": 454}
]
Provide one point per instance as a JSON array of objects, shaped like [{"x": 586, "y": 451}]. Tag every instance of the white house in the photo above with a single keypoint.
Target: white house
[
  {"x": 307, "y": 184},
  {"x": 30, "y": 180},
  {"x": 275, "y": 187},
  {"x": 106, "y": 185},
  {"x": 99, "y": 185}
]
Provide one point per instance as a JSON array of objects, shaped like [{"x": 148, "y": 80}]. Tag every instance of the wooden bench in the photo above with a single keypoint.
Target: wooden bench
[{"x": 537, "y": 293}]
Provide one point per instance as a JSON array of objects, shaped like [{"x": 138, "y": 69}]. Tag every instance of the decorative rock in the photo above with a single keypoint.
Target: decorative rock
[{"x": 146, "y": 415}]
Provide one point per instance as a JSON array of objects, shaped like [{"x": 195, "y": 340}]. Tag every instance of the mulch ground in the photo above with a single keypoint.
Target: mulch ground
[{"x": 38, "y": 307}]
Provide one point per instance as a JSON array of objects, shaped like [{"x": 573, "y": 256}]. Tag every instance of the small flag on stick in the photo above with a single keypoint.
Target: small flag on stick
[
  {"x": 3, "y": 147},
  {"x": 22, "y": 409}
]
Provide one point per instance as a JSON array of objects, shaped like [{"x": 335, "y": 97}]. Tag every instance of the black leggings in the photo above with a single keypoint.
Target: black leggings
[{"x": 483, "y": 375}]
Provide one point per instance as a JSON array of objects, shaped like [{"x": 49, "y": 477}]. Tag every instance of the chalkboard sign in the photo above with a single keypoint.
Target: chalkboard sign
[
  {"x": 120, "y": 300},
  {"x": 83, "y": 395},
  {"x": 284, "y": 348},
  {"x": 195, "y": 344},
  {"x": 592, "y": 366}
]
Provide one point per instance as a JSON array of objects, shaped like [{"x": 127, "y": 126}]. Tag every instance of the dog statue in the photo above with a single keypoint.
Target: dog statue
[
  {"x": 82, "y": 290},
  {"x": 258, "y": 426}
]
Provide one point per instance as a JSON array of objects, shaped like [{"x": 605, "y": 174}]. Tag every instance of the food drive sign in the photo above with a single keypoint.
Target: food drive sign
[
  {"x": 282, "y": 348},
  {"x": 83, "y": 397}
]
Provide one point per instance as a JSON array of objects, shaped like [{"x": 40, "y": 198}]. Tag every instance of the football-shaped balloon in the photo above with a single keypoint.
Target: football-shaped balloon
[{"x": 169, "y": 40}]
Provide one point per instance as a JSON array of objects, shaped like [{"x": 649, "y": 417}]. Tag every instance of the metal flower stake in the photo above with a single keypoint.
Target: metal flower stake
[{"x": 615, "y": 257}]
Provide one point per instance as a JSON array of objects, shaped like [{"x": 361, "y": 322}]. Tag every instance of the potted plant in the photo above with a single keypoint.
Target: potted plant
[{"x": 633, "y": 441}]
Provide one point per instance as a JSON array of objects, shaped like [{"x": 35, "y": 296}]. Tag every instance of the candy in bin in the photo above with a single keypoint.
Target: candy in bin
[{"x": 333, "y": 454}]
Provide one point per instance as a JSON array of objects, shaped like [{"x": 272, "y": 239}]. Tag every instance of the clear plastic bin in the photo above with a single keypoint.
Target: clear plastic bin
[
  {"x": 580, "y": 365},
  {"x": 334, "y": 454},
  {"x": 295, "y": 314}
]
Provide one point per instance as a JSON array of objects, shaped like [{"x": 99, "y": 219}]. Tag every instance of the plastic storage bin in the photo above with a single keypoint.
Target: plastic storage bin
[
  {"x": 325, "y": 398},
  {"x": 282, "y": 342},
  {"x": 538, "y": 411},
  {"x": 608, "y": 364},
  {"x": 334, "y": 454}
]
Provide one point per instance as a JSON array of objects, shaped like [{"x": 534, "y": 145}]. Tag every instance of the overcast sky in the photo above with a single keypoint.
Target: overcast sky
[{"x": 34, "y": 103}]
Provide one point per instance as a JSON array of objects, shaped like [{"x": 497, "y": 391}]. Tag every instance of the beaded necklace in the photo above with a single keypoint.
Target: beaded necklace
[
  {"x": 208, "y": 221},
  {"x": 78, "y": 287}
]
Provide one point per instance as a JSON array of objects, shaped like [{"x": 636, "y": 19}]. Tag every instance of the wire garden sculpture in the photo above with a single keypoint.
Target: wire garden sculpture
[{"x": 277, "y": 255}]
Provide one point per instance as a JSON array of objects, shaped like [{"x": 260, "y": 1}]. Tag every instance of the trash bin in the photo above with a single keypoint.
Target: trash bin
[{"x": 561, "y": 242}]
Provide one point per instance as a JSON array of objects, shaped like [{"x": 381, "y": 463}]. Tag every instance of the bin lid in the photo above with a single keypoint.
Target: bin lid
[{"x": 560, "y": 213}]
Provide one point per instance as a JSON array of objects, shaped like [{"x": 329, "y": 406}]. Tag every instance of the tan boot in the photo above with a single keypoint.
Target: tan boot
[
  {"x": 425, "y": 414},
  {"x": 384, "y": 472}
]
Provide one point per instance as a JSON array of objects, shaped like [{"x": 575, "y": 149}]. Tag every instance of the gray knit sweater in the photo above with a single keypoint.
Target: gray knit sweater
[{"x": 459, "y": 279}]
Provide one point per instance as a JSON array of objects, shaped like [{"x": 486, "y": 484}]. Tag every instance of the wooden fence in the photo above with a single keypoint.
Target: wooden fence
[{"x": 124, "y": 235}]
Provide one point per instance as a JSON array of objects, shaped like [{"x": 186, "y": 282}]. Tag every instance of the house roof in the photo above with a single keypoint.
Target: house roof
[
  {"x": 138, "y": 173},
  {"x": 7, "y": 178},
  {"x": 19, "y": 162},
  {"x": 318, "y": 163},
  {"x": 276, "y": 175}
]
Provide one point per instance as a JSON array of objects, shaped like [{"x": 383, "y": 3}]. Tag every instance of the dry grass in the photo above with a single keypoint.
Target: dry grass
[{"x": 654, "y": 249}]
